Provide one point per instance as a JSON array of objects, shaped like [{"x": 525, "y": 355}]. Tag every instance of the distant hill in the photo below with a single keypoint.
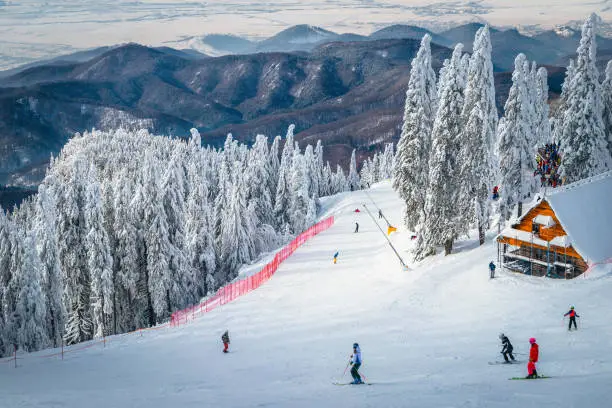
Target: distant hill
[{"x": 350, "y": 95}]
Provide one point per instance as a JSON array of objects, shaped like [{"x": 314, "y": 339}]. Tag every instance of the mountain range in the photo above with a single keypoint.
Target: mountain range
[{"x": 344, "y": 89}]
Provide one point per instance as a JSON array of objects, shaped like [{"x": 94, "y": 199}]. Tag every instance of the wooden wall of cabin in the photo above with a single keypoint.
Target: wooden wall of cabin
[{"x": 543, "y": 208}]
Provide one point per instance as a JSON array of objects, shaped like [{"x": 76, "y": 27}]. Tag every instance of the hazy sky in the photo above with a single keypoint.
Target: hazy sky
[{"x": 32, "y": 29}]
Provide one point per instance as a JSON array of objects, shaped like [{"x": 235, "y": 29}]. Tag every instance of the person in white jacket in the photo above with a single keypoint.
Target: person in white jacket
[{"x": 356, "y": 363}]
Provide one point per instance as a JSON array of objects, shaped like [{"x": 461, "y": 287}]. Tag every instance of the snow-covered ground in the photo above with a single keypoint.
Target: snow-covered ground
[
  {"x": 426, "y": 334},
  {"x": 30, "y": 30}
]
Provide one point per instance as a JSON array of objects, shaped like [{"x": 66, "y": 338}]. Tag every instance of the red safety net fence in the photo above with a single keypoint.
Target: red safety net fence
[
  {"x": 224, "y": 295},
  {"x": 239, "y": 288}
]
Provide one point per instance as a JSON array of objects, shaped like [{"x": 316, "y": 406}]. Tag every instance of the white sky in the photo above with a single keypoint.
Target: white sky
[{"x": 31, "y": 29}]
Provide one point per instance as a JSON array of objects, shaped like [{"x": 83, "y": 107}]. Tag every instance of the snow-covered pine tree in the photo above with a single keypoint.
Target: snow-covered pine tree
[
  {"x": 411, "y": 165},
  {"x": 8, "y": 246},
  {"x": 606, "y": 92},
  {"x": 326, "y": 180},
  {"x": 320, "y": 166},
  {"x": 514, "y": 143},
  {"x": 353, "y": 178},
  {"x": 199, "y": 240},
  {"x": 131, "y": 304},
  {"x": 542, "y": 121},
  {"x": 439, "y": 225},
  {"x": 158, "y": 249},
  {"x": 72, "y": 249},
  {"x": 282, "y": 198},
  {"x": 274, "y": 165},
  {"x": 339, "y": 182},
  {"x": 237, "y": 227},
  {"x": 300, "y": 200},
  {"x": 479, "y": 117},
  {"x": 365, "y": 175},
  {"x": 582, "y": 137},
  {"x": 47, "y": 251},
  {"x": 313, "y": 171},
  {"x": 99, "y": 260},
  {"x": 26, "y": 323}
]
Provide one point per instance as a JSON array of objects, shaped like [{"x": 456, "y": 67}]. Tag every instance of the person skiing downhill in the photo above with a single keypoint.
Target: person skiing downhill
[
  {"x": 534, "y": 353},
  {"x": 492, "y": 269},
  {"x": 572, "y": 318},
  {"x": 356, "y": 363},
  {"x": 336, "y": 257},
  {"x": 226, "y": 340},
  {"x": 506, "y": 348},
  {"x": 356, "y": 227}
]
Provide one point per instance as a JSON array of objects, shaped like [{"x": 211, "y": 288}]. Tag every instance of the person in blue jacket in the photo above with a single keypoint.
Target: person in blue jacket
[
  {"x": 492, "y": 269},
  {"x": 356, "y": 363}
]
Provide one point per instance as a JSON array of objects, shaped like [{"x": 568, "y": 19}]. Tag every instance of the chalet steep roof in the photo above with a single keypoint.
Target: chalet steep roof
[{"x": 584, "y": 209}]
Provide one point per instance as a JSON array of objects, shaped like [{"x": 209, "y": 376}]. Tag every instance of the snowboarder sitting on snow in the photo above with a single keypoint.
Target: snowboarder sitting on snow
[
  {"x": 572, "y": 318},
  {"x": 492, "y": 269},
  {"x": 533, "y": 359},
  {"x": 225, "y": 339},
  {"x": 506, "y": 347},
  {"x": 356, "y": 363}
]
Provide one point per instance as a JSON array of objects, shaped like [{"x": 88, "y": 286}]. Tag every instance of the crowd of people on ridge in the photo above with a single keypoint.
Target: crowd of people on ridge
[{"x": 548, "y": 160}]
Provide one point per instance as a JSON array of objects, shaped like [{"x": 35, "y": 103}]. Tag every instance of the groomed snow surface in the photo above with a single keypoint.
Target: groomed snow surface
[{"x": 426, "y": 334}]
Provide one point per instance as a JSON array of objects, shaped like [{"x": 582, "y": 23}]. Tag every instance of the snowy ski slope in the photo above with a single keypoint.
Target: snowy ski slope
[{"x": 426, "y": 334}]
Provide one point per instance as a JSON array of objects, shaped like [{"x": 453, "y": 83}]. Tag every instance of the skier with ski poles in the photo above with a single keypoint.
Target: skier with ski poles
[
  {"x": 226, "y": 340},
  {"x": 356, "y": 363},
  {"x": 506, "y": 348},
  {"x": 572, "y": 318},
  {"x": 534, "y": 353}
]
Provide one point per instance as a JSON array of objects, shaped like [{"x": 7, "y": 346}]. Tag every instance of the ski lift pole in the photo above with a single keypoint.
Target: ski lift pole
[
  {"x": 379, "y": 211},
  {"x": 387, "y": 238}
]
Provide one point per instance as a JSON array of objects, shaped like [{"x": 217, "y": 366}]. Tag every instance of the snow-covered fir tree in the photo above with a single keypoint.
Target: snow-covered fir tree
[
  {"x": 606, "y": 93},
  {"x": 439, "y": 225},
  {"x": 411, "y": 170},
  {"x": 353, "y": 177},
  {"x": 515, "y": 147},
  {"x": 479, "y": 118},
  {"x": 581, "y": 131}
]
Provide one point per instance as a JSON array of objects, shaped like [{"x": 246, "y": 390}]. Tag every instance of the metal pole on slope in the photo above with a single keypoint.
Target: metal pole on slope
[
  {"x": 387, "y": 238},
  {"x": 380, "y": 212}
]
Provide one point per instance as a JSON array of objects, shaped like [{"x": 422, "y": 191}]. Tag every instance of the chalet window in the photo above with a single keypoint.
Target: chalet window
[{"x": 535, "y": 228}]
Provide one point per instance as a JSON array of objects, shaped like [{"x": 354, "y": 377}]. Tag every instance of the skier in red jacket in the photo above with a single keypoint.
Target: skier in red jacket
[
  {"x": 533, "y": 359},
  {"x": 572, "y": 318}
]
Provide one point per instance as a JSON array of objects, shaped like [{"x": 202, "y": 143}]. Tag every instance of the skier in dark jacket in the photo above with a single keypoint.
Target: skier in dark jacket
[
  {"x": 380, "y": 214},
  {"x": 356, "y": 363},
  {"x": 506, "y": 348},
  {"x": 356, "y": 227},
  {"x": 572, "y": 318},
  {"x": 225, "y": 339}
]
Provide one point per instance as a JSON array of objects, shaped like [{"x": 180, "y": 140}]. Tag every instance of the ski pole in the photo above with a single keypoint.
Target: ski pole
[{"x": 346, "y": 368}]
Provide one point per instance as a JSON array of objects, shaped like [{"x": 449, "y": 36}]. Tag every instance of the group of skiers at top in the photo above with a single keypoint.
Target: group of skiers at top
[{"x": 534, "y": 351}]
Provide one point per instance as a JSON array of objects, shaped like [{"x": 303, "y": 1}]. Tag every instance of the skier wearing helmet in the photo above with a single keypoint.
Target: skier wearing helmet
[
  {"x": 506, "y": 348},
  {"x": 572, "y": 318},
  {"x": 356, "y": 363},
  {"x": 533, "y": 359}
]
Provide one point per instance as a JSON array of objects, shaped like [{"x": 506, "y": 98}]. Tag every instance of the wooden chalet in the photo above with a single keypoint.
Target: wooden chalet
[{"x": 563, "y": 233}]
